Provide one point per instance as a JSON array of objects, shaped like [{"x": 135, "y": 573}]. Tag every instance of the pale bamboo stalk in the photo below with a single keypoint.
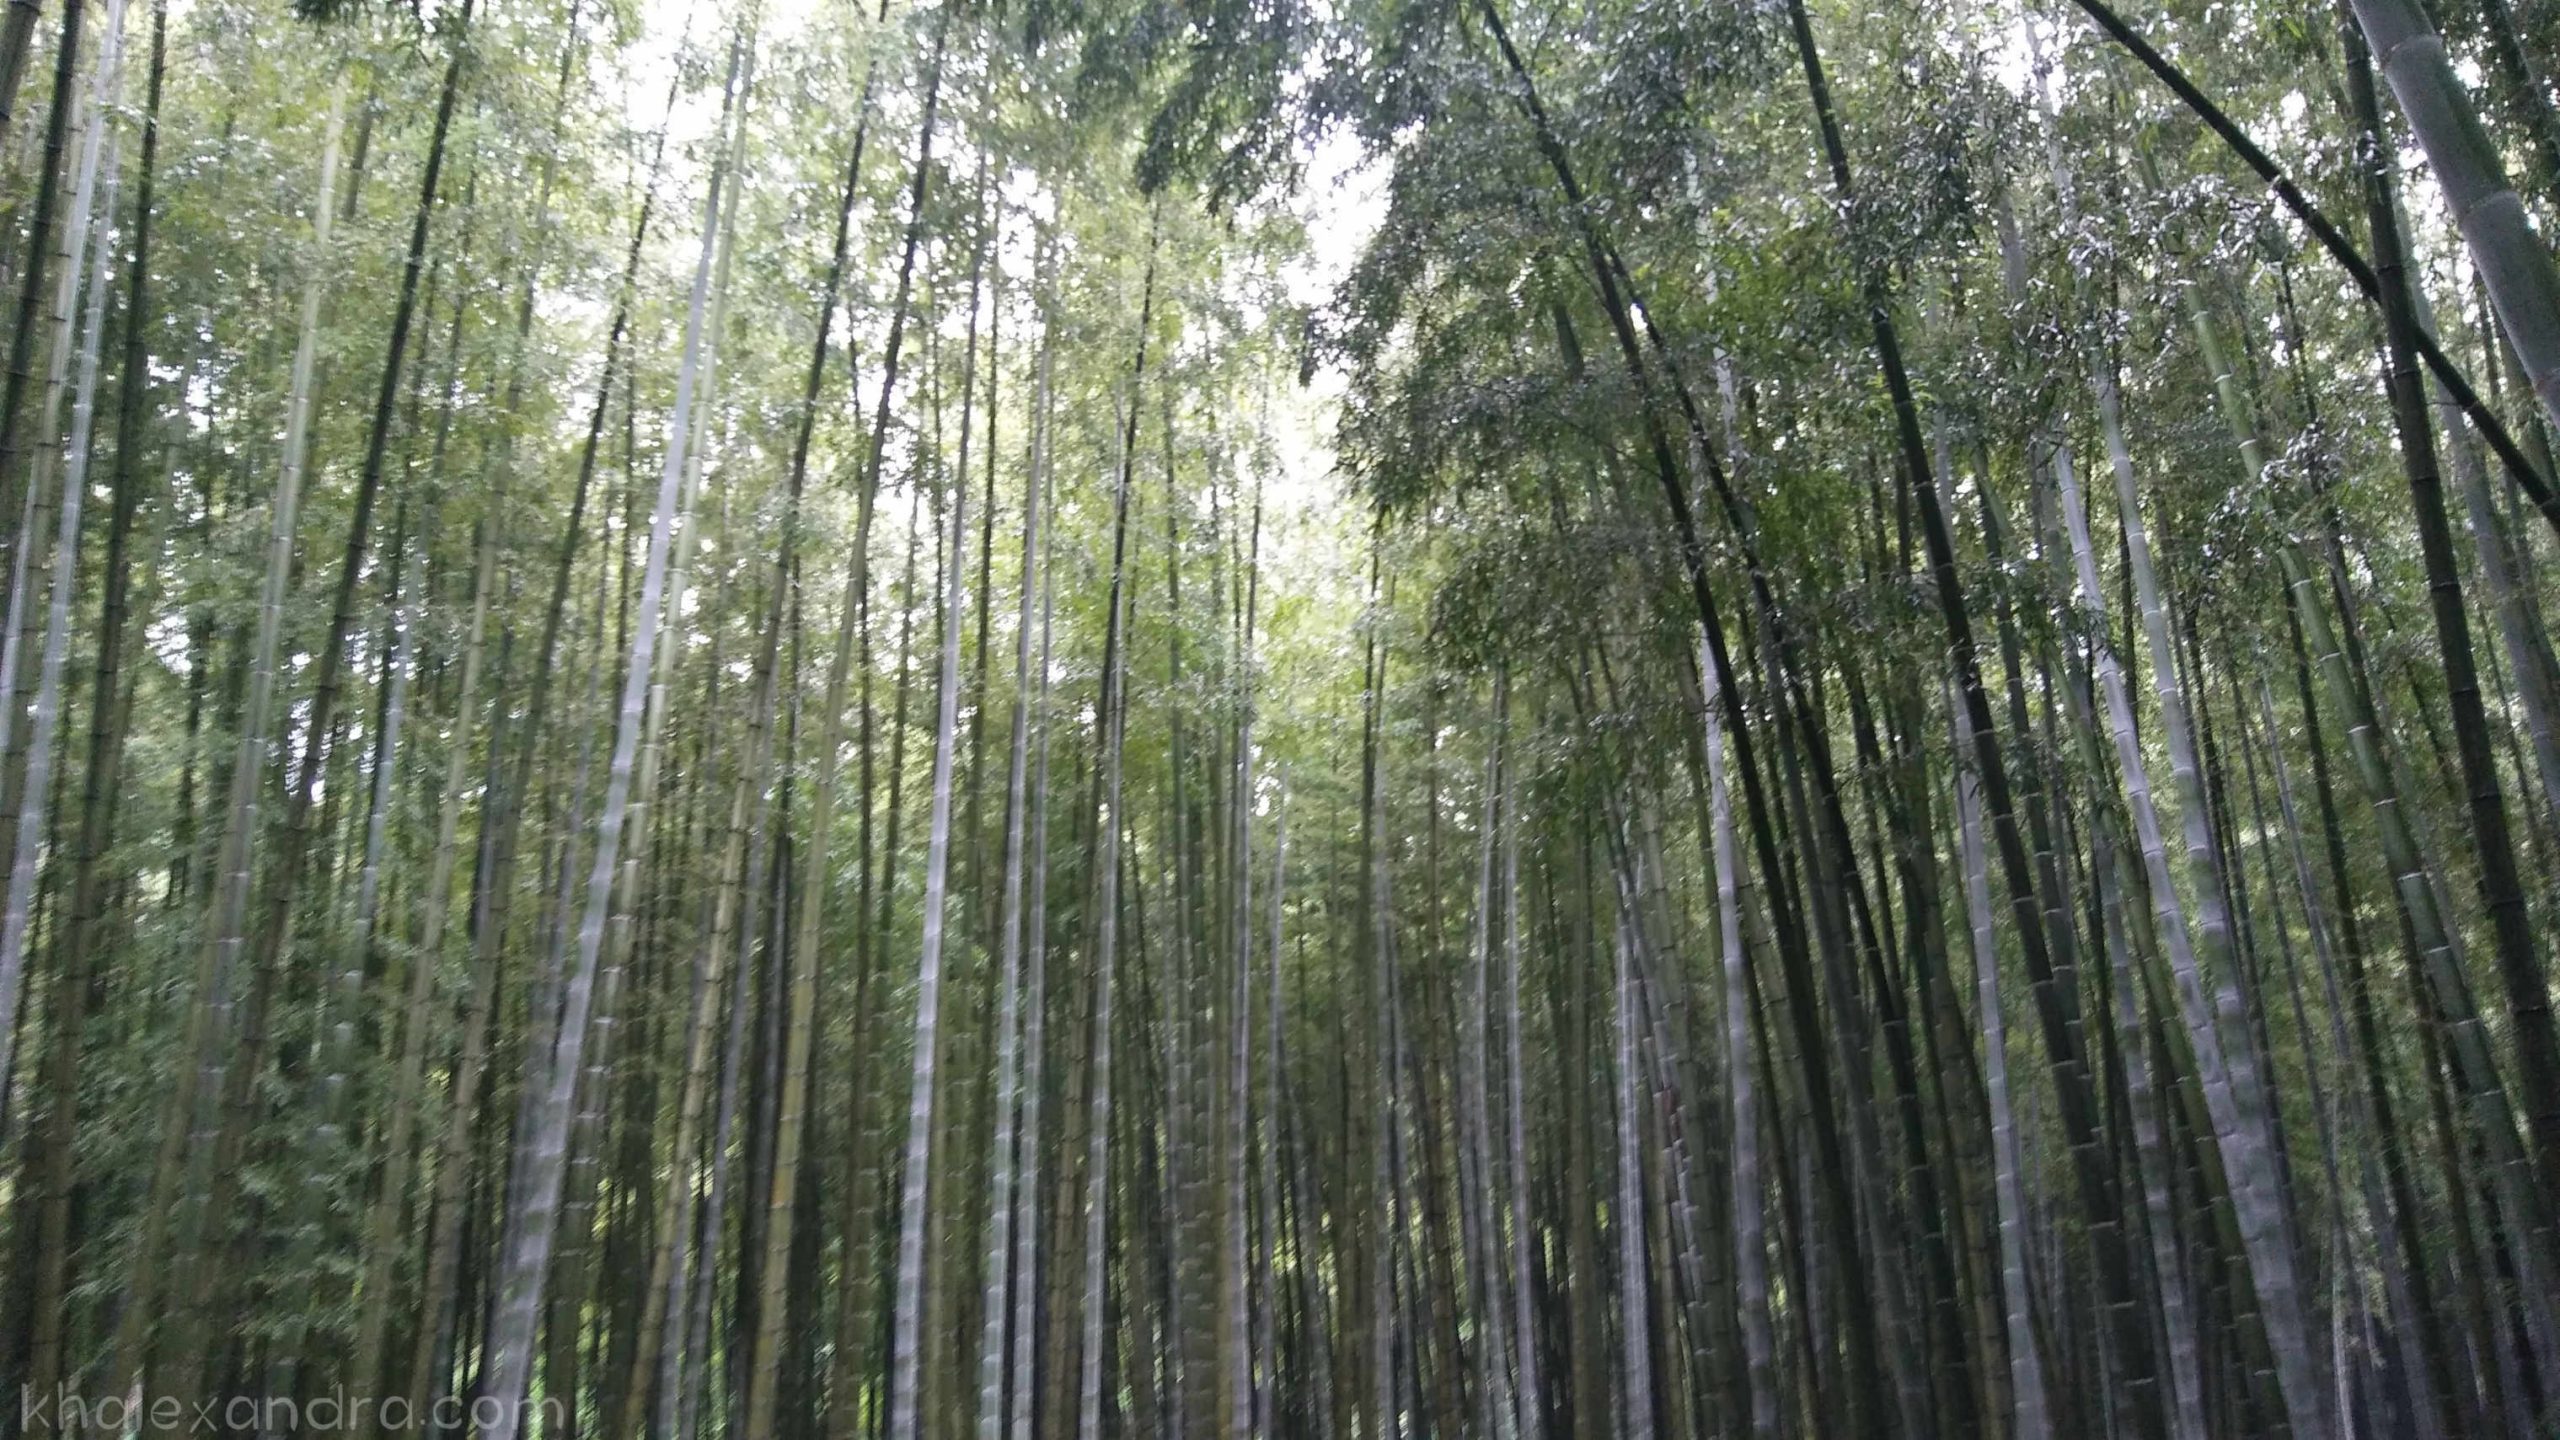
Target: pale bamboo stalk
[
  {"x": 669, "y": 1281},
  {"x": 1001, "y": 1271},
  {"x": 2523, "y": 283},
  {"x": 680, "y": 1388},
  {"x": 203, "y": 1052},
  {"x": 587, "y": 1138},
  {"x": 1106, "y": 841},
  {"x": 1234, "y": 1333},
  {"x": 1528, "y": 1392},
  {"x": 511, "y": 1338},
  {"x": 1026, "y": 1192},
  {"x": 1499, "y": 1418},
  {"x": 46, "y": 236},
  {"x": 2246, "y": 1160},
  {"x": 660, "y": 1352},
  {"x": 2026, "y": 1363},
  {"x": 2235, "y": 1093},
  {"x": 2406, "y": 855},
  {"x": 1266, "y": 1420},
  {"x": 2511, "y": 604},
  {"x": 905, "y": 1365},
  {"x": 810, "y": 895},
  {"x": 97, "y": 152},
  {"x": 1627, "y": 1207}
]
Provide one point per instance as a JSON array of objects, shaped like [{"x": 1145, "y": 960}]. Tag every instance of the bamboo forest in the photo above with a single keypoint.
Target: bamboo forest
[{"x": 1279, "y": 719}]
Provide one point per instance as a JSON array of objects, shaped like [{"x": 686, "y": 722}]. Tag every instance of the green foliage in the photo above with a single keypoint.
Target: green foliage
[{"x": 1507, "y": 384}]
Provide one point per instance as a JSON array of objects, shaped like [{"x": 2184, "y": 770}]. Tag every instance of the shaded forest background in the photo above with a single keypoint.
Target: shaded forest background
[{"x": 1019, "y": 719}]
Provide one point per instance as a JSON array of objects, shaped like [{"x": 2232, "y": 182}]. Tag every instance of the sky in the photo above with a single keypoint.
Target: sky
[{"x": 1341, "y": 203}]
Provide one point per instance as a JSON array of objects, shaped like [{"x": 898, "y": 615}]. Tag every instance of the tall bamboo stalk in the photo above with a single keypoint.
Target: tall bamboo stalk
[{"x": 511, "y": 1337}]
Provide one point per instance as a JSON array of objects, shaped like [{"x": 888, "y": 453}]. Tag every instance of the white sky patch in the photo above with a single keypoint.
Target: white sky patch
[
  {"x": 666, "y": 26},
  {"x": 1341, "y": 205},
  {"x": 2009, "y": 60}
]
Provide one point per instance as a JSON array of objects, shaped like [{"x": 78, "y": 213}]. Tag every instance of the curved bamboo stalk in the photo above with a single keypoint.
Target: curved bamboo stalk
[
  {"x": 512, "y": 1328},
  {"x": 84, "y": 232}
]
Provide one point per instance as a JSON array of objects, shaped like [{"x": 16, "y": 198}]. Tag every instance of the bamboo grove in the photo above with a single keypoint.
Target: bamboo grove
[{"x": 1183, "y": 718}]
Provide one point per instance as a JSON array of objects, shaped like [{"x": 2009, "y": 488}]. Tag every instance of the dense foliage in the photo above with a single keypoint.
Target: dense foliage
[{"x": 1236, "y": 718}]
